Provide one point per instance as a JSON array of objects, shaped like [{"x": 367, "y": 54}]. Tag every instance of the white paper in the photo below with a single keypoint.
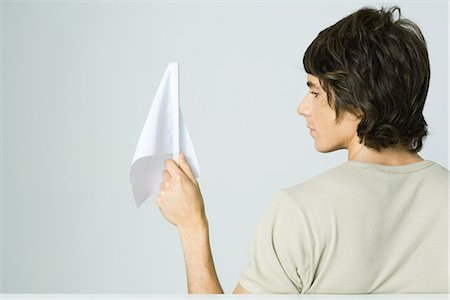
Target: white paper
[{"x": 163, "y": 137}]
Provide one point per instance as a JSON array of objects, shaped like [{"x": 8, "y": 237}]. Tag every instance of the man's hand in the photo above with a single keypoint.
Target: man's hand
[
  {"x": 181, "y": 203},
  {"x": 180, "y": 199}
]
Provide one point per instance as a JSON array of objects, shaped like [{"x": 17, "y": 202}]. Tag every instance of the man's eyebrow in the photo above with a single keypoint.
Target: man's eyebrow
[{"x": 311, "y": 84}]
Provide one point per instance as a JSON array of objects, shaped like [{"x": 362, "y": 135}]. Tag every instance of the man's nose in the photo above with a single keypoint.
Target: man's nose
[{"x": 303, "y": 108}]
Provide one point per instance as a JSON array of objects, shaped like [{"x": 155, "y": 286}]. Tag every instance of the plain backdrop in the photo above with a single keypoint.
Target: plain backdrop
[{"x": 77, "y": 81}]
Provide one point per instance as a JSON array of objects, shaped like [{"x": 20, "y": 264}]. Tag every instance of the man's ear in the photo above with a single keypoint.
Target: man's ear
[{"x": 356, "y": 115}]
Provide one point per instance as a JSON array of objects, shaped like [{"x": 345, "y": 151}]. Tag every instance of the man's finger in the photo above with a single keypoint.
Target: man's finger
[
  {"x": 173, "y": 169},
  {"x": 166, "y": 175},
  {"x": 158, "y": 201}
]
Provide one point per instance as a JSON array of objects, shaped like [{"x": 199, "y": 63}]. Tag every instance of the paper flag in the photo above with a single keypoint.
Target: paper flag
[{"x": 163, "y": 137}]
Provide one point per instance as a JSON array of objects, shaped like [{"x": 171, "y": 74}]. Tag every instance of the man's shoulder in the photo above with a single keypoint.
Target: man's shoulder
[
  {"x": 320, "y": 189},
  {"x": 352, "y": 178},
  {"x": 318, "y": 183}
]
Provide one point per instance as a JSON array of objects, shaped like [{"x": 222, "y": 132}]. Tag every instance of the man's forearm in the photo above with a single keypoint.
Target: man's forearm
[{"x": 201, "y": 273}]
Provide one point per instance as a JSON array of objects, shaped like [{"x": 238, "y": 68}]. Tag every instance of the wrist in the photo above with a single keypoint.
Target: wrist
[{"x": 194, "y": 229}]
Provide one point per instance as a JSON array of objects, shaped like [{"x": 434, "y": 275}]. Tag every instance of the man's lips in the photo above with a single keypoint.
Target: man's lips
[{"x": 311, "y": 130}]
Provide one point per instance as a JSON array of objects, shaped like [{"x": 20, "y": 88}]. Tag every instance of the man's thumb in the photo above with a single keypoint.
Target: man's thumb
[{"x": 186, "y": 168}]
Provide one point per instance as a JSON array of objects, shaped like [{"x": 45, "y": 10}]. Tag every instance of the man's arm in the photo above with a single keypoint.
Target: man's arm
[
  {"x": 201, "y": 273},
  {"x": 200, "y": 270},
  {"x": 240, "y": 290},
  {"x": 181, "y": 203}
]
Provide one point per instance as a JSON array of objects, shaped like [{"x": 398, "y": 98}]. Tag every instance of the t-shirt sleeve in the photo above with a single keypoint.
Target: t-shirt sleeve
[{"x": 278, "y": 250}]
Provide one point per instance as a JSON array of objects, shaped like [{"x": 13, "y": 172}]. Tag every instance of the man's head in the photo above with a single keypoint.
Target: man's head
[{"x": 374, "y": 73}]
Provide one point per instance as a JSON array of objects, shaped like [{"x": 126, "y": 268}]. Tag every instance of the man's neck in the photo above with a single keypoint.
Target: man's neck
[{"x": 390, "y": 156}]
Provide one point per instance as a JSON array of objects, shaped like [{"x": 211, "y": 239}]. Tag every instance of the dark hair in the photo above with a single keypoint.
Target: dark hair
[{"x": 377, "y": 69}]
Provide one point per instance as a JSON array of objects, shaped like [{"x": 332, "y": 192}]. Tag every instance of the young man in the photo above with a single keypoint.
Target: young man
[{"x": 375, "y": 224}]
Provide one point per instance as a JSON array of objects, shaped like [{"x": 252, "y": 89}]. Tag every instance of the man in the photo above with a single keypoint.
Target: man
[{"x": 375, "y": 224}]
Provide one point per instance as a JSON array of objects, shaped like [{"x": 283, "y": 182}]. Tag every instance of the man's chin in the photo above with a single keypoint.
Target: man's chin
[{"x": 326, "y": 149}]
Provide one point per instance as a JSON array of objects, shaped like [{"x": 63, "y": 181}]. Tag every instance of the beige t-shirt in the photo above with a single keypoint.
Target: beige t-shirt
[{"x": 357, "y": 228}]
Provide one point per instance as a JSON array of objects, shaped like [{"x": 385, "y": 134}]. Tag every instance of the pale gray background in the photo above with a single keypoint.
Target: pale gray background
[{"x": 78, "y": 79}]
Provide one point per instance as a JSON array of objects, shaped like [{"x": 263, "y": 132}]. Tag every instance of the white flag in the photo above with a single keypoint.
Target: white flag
[{"x": 163, "y": 137}]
